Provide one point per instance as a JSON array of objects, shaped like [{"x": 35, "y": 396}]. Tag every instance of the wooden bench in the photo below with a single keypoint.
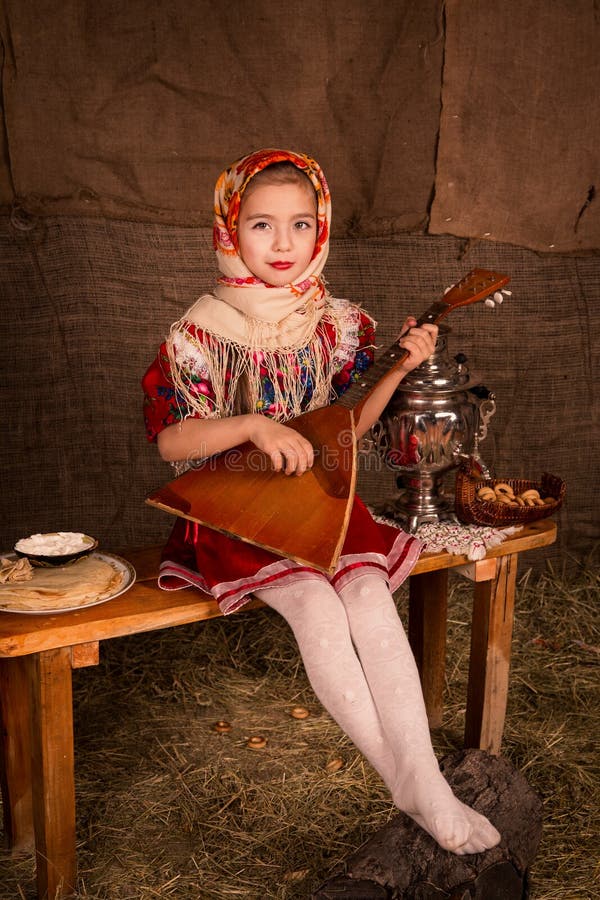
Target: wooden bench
[{"x": 37, "y": 654}]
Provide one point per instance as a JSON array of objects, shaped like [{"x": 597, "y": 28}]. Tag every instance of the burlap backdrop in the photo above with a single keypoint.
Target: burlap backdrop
[
  {"x": 519, "y": 149},
  {"x": 130, "y": 110}
]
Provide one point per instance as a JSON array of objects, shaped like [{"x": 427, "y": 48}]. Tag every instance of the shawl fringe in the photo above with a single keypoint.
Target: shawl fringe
[{"x": 226, "y": 363}]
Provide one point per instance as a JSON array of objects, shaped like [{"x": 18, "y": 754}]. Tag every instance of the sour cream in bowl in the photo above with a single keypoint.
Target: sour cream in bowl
[{"x": 55, "y": 548}]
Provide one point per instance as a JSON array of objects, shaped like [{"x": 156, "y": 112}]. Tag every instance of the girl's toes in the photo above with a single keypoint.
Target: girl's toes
[
  {"x": 482, "y": 830},
  {"x": 451, "y": 832},
  {"x": 473, "y": 845}
]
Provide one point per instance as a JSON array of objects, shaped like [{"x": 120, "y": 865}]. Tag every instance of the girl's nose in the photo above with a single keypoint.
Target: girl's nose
[{"x": 282, "y": 240}]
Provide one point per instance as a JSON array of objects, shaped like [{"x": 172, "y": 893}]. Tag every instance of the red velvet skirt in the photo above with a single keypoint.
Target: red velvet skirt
[{"x": 232, "y": 570}]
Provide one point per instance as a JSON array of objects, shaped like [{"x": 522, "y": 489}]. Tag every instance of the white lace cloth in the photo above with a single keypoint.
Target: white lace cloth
[{"x": 472, "y": 541}]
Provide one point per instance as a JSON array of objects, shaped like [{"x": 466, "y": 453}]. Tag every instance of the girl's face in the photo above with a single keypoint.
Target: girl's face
[{"x": 277, "y": 230}]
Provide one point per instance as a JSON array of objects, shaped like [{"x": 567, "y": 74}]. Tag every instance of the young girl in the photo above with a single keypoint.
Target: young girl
[{"x": 270, "y": 344}]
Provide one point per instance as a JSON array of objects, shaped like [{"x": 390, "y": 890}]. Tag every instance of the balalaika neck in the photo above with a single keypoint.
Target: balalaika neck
[{"x": 393, "y": 357}]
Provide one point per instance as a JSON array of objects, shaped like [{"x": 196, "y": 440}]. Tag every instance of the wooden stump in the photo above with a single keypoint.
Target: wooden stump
[{"x": 403, "y": 861}]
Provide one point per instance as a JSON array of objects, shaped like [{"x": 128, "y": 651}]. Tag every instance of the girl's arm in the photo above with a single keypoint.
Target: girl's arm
[
  {"x": 200, "y": 438},
  {"x": 420, "y": 342}
]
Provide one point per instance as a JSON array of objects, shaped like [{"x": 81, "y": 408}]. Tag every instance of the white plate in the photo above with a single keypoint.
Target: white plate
[{"x": 117, "y": 562}]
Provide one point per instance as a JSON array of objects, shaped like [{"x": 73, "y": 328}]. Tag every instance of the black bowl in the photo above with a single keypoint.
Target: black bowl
[{"x": 65, "y": 559}]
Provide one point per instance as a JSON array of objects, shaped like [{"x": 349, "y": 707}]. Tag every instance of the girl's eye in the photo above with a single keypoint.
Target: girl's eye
[
  {"x": 261, "y": 226},
  {"x": 302, "y": 226}
]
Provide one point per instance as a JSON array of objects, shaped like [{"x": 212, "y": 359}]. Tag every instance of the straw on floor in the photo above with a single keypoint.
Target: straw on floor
[{"x": 169, "y": 808}]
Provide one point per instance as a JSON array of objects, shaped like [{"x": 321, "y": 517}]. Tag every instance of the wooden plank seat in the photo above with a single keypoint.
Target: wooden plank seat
[{"x": 38, "y": 653}]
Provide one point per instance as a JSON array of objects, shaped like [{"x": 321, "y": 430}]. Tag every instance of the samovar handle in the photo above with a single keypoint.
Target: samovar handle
[{"x": 487, "y": 408}]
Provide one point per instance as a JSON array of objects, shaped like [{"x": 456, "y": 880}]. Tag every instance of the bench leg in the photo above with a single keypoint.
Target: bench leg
[
  {"x": 427, "y": 623},
  {"x": 491, "y": 639},
  {"x": 53, "y": 777},
  {"x": 15, "y": 757}
]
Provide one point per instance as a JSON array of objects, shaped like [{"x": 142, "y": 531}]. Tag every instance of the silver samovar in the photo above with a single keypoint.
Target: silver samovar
[{"x": 435, "y": 418}]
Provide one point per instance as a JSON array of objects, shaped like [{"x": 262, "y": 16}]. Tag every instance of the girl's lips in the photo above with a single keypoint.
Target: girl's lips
[{"x": 281, "y": 265}]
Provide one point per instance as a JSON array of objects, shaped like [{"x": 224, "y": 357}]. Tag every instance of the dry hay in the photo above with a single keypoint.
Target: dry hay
[{"x": 168, "y": 808}]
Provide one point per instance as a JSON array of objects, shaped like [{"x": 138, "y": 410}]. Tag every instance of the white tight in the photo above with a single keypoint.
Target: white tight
[{"x": 361, "y": 668}]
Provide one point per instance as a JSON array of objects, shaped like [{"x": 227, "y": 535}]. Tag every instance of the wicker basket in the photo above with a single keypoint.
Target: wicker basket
[{"x": 472, "y": 511}]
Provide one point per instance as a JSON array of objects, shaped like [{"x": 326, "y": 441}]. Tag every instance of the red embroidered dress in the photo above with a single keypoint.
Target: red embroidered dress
[{"x": 231, "y": 569}]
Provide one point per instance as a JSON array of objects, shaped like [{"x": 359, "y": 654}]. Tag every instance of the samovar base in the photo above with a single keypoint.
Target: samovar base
[
  {"x": 419, "y": 502},
  {"x": 411, "y": 522}
]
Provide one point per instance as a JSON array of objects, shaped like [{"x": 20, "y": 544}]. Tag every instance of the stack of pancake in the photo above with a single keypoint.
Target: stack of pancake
[{"x": 87, "y": 581}]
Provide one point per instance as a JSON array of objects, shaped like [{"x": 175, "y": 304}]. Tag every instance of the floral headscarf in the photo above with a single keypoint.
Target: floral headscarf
[{"x": 229, "y": 190}]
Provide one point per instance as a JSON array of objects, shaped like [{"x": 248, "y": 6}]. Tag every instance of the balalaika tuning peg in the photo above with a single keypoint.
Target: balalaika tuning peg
[{"x": 497, "y": 299}]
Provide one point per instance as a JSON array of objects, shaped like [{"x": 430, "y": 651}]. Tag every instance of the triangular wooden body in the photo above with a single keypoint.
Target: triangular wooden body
[{"x": 304, "y": 518}]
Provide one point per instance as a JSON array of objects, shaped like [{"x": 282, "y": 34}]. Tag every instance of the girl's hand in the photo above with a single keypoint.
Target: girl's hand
[
  {"x": 289, "y": 451},
  {"x": 420, "y": 342}
]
